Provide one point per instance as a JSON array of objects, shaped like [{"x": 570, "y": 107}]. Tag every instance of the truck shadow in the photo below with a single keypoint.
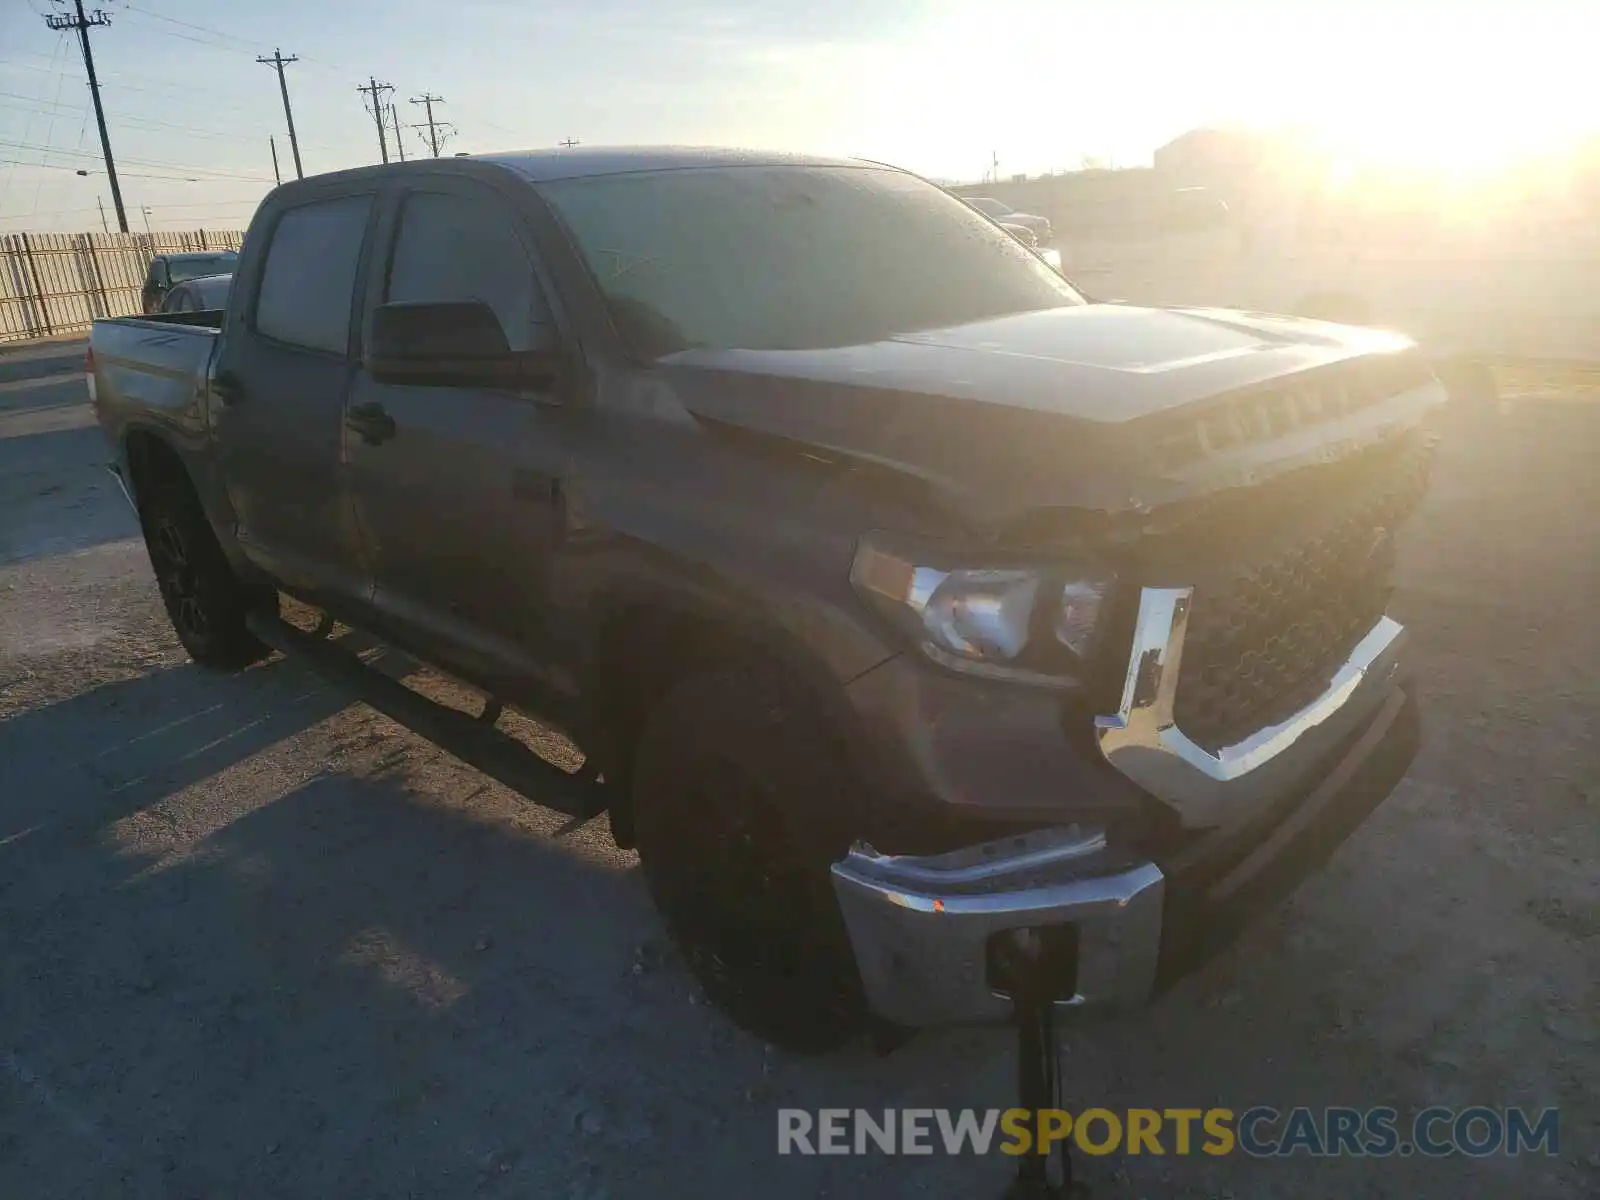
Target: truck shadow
[
  {"x": 112, "y": 750},
  {"x": 318, "y": 958}
]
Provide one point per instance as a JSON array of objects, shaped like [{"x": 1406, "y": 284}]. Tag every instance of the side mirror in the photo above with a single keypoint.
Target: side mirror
[{"x": 455, "y": 343}]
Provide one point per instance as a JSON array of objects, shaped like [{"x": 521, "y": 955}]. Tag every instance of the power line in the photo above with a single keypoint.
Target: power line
[
  {"x": 56, "y": 109},
  {"x": 279, "y": 61},
  {"x": 378, "y": 91},
  {"x": 18, "y": 162},
  {"x": 54, "y": 72},
  {"x": 33, "y": 104},
  {"x": 204, "y": 173},
  {"x": 82, "y": 25},
  {"x": 50, "y": 124},
  {"x": 211, "y": 207},
  {"x": 217, "y": 34}
]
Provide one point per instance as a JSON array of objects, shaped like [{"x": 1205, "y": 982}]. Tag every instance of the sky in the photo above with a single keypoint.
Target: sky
[{"x": 940, "y": 86}]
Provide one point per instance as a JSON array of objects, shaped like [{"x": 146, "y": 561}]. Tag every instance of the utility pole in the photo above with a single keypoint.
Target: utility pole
[
  {"x": 569, "y": 143},
  {"x": 377, "y": 91},
  {"x": 394, "y": 119},
  {"x": 82, "y": 23},
  {"x": 428, "y": 100},
  {"x": 273, "y": 142},
  {"x": 146, "y": 210},
  {"x": 279, "y": 62}
]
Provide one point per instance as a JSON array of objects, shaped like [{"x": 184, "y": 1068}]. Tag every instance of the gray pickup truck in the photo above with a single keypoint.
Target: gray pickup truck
[{"x": 936, "y": 635}]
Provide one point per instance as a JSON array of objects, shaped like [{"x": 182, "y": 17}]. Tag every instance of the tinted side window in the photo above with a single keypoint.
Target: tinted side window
[
  {"x": 310, "y": 274},
  {"x": 453, "y": 247}
]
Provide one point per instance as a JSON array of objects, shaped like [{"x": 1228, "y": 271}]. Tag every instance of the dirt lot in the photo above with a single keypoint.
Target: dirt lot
[{"x": 258, "y": 941}]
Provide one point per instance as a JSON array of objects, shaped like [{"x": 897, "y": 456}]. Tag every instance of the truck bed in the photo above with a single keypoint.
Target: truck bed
[{"x": 154, "y": 365}]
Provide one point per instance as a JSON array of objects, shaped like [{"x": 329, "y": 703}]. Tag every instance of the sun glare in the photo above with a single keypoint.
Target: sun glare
[
  {"x": 1462, "y": 102},
  {"x": 1455, "y": 144}
]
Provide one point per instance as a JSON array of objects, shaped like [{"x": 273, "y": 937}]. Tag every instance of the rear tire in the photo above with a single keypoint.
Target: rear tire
[
  {"x": 205, "y": 600},
  {"x": 737, "y": 788}
]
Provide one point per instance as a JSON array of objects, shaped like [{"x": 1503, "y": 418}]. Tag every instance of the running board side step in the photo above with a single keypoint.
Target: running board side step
[{"x": 476, "y": 742}]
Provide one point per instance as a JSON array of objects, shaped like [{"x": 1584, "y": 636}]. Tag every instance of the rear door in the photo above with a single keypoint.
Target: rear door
[
  {"x": 278, "y": 397},
  {"x": 459, "y": 489}
]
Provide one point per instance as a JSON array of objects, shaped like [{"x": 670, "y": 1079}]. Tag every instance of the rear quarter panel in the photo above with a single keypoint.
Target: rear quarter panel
[
  {"x": 151, "y": 377},
  {"x": 152, "y": 374}
]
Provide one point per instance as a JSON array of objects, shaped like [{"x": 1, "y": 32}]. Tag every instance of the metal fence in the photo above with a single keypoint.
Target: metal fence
[{"x": 54, "y": 283}]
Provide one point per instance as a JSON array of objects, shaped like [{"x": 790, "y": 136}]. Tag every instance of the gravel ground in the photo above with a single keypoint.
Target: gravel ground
[{"x": 256, "y": 940}]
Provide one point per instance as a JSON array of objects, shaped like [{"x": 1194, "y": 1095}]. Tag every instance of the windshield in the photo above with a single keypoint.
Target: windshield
[
  {"x": 984, "y": 204},
  {"x": 192, "y": 266},
  {"x": 787, "y": 257}
]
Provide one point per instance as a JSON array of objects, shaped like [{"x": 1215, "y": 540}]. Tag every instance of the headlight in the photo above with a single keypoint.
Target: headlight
[{"x": 1028, "y": 622}]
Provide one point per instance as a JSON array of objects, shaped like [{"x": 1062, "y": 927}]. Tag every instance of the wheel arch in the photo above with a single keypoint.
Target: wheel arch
[
  {"x": 150, "y": 458},
  {"x": 646, "y": 644},
  {"x": 150, "y": 461}
]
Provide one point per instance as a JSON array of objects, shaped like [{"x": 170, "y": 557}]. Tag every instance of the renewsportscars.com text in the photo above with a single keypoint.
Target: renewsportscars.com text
[{"x": 1261, "y": 1131}]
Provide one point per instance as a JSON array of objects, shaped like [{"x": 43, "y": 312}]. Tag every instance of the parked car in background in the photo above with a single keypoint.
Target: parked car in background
[
  {"x": 1022, "y": 233},
  {"x": 166, "y": 271},
  {"x": 208, "y": 293},
  {"x": 1002, "y": 212}
]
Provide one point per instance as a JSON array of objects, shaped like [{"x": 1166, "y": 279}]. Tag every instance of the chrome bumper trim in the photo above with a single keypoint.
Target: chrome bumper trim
[
  {"x": 920, "y": 926},
  {"x": 1207, "y": 789}
]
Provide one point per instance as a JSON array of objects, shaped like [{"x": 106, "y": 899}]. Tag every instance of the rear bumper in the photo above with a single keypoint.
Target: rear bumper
[{"x": 921, "y": 927}]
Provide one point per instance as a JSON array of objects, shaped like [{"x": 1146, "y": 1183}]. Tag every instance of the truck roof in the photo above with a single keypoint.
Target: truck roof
[
  {"x": 542, "y": 166},
  {"x": 582, "y": 161}
]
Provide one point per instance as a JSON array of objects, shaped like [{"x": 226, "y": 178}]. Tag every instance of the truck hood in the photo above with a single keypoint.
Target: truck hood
[{"x": 1058, "y": 407}]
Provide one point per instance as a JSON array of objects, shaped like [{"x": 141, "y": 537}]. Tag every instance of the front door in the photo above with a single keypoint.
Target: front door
[
  {"x": 278, "y": 399},
  {"x": 458, "y": 489}
]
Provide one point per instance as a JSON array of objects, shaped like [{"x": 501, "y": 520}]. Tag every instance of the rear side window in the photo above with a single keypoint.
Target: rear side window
[
  {"x": 455, "y": 247},
  {"x": 309, "y": 277}
]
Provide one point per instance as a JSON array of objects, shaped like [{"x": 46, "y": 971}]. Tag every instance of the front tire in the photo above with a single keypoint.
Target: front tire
[
  {"x": 204, "y": 599},
  {"x": 737, "y": 784}
]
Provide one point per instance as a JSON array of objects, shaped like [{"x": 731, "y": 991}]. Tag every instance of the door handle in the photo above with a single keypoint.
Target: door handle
[{"x": 372, "y": 421}]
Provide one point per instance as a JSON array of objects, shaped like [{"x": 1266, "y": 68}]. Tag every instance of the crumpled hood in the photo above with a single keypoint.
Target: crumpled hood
[{"x": 1045, "y": 407}]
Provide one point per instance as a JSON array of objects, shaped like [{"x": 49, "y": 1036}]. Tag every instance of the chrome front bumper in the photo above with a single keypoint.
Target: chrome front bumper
[
  {"x": 1208, "y": 789},
  {"x": 920, "y": 927}
]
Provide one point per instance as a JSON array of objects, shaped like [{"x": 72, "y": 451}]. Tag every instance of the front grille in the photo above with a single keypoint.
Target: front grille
[{"x": 1269, "y": 626}]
